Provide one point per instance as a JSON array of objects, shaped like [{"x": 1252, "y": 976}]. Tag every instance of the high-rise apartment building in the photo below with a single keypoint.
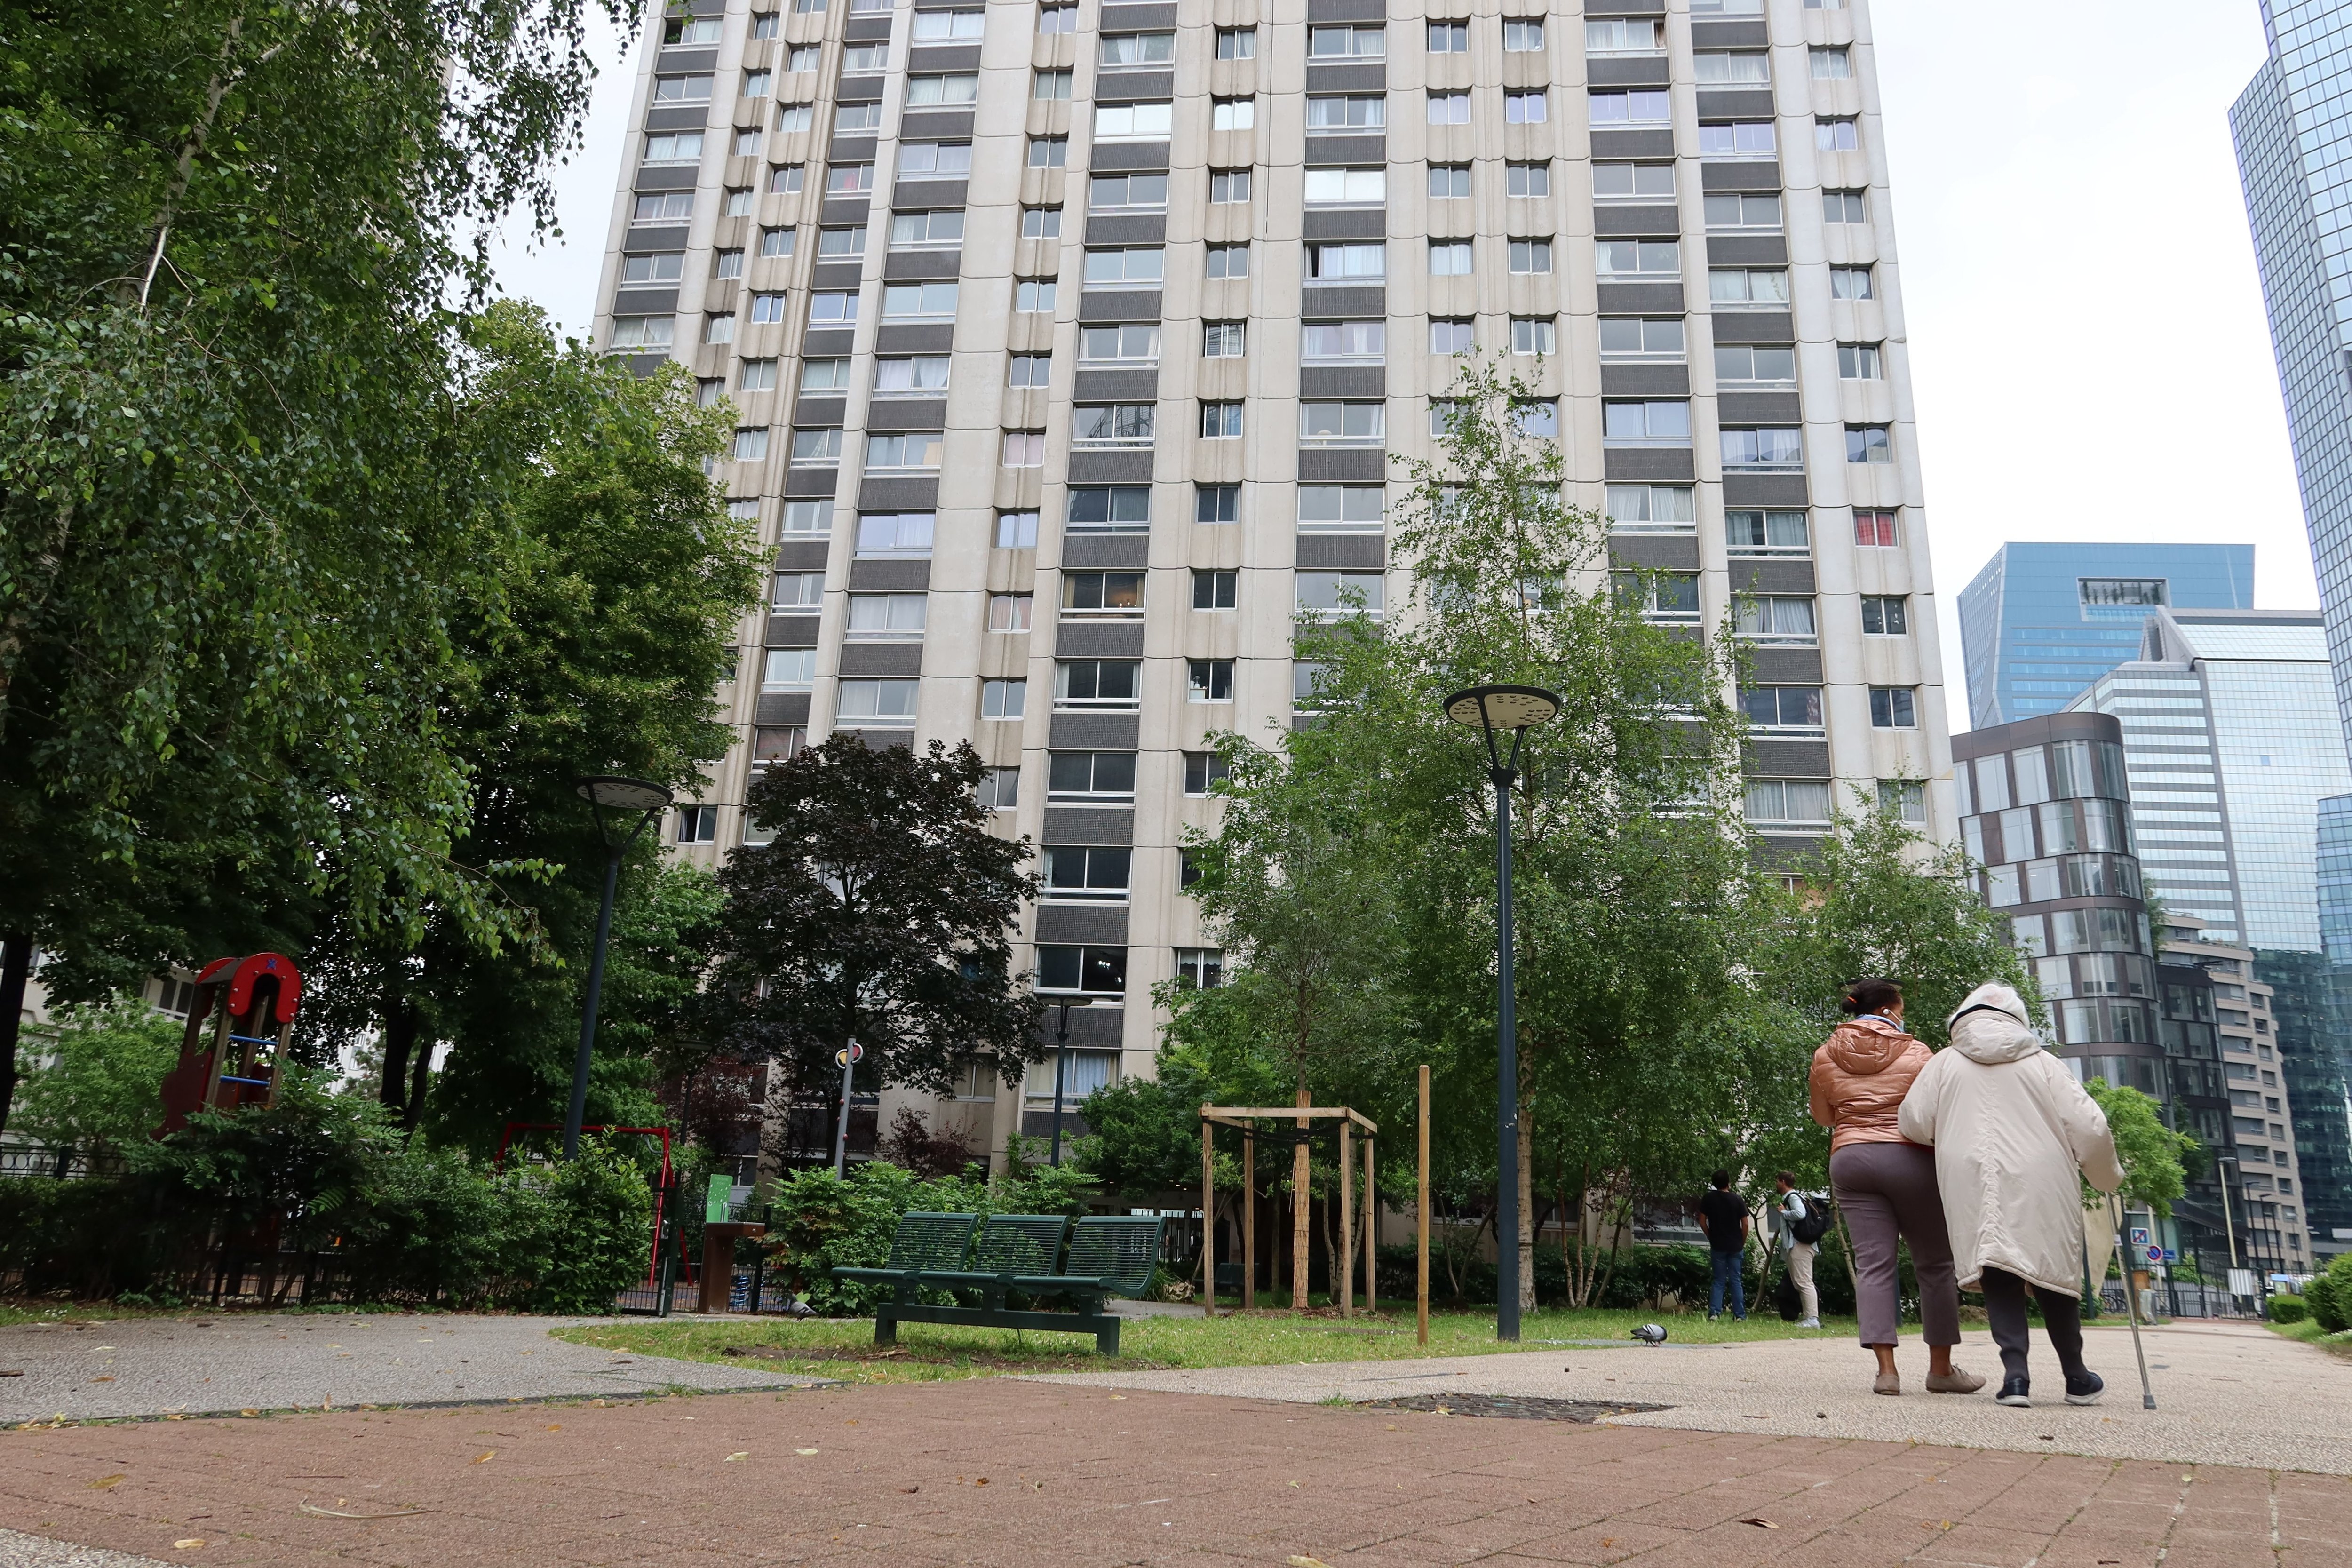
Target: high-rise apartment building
[
  {"x": 2040, "y": 622},
  {"x": 2295, "y": 163},
  {"x": 1069, "y": 345}
]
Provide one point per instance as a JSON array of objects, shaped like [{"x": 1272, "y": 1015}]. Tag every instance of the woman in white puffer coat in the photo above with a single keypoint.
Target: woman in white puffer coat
[{"x": 2010, "y": 1128}]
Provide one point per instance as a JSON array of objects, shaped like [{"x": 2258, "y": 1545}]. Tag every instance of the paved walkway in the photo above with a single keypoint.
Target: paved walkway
[
  {"x": 2226, "y": 1394},
  {"x": 1010, "y": 1472},
  {"x": 162, "y": 1365}
]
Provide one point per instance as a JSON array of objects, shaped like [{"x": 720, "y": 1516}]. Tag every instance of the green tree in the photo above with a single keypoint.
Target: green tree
[
  {"x": 102, "y": 1088},
  {"x": 239, "y": 516},
  {"x": 2154, "y": 1157}
]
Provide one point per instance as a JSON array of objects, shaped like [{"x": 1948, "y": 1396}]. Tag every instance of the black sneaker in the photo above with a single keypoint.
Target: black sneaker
[
  {"x": 2013, "y": 1391},
  {"x": 2085, "y": 1389}
]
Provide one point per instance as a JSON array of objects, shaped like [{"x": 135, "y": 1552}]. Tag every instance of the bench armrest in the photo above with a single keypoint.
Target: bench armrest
[
  {"x": 887, "y": 1275},
  {"x": 1083, "y": 1284}
]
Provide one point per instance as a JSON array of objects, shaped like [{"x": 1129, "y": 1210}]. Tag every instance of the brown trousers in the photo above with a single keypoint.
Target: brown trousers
[{"x": 1889, "y": 1190}]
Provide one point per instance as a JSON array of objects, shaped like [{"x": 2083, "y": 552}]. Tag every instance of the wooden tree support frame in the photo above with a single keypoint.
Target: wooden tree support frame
[{"x": 1302, "y": 1119}]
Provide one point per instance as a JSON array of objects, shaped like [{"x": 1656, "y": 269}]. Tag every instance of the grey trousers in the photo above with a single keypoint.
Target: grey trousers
[
  {"x": 2062, "y": 1315},
  {"x": 1889, "y": 1190}
]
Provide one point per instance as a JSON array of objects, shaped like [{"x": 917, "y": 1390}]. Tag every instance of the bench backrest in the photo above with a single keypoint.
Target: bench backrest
[
  {"x": 1122, "y": 1250},
  {"x": 931, "y": 1241},
  {"x": 1019, "y": 1243}
]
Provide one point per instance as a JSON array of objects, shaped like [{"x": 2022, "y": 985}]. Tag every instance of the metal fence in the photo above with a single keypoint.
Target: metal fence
[{"x": 33, "y": 1161}]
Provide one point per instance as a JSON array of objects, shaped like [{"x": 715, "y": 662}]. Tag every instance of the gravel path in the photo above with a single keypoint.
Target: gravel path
[
  {"x": 2226, "y": 1394},
  {"x": 161, "y": 1366},
  {"x": 18, "y": 1550}
]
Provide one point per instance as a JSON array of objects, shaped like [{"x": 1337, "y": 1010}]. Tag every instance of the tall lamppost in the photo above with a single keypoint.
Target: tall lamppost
[
  {"x": 605, "y": 793},
  {"x": 1061, "y": 1054},
  {"x": 1515, "y": 708}
]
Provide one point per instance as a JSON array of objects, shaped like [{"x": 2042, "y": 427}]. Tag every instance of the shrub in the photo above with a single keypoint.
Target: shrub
[
  {"x": 2288, "y": 1309},
  {"x": 2329, "y": 1296}
]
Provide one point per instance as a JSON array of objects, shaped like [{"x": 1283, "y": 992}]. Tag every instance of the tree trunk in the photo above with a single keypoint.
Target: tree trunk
[
  {"x": 420, "y": 1078},
  {"x": 15, "y": 970},
  {"x": 400, "y": 1023},
  {"x": 1527, "y": 1236},
  {"x": 1300, "y": 1179}
]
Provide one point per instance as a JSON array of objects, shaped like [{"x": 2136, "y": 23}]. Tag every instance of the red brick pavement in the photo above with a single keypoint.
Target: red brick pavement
[{"x": 1089, "y": 1477}]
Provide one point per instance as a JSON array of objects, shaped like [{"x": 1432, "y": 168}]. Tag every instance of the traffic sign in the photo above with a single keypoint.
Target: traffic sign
[
  {"x": 2155, "y": 1255},
  {"x": 2140, "y": 1237},
  {"x": 853, "y": 1052},
  {"x": 2171, "y": 1256}
]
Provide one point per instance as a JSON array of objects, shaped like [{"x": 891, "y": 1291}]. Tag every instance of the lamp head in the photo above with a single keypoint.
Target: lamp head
[
  {"x": 1503, "y": 707},
  {"x": 624, "y": 795}
]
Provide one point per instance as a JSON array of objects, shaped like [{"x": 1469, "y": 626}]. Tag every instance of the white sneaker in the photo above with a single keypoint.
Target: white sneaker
[{"x": 1809, "y": 1323}]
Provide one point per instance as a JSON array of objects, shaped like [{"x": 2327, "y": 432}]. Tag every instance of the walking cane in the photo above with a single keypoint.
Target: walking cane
[{"x": 2131, "y": 1307}]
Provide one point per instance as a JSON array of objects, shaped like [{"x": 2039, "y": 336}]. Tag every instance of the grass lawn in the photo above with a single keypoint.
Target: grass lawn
[
  {"x": 845, "y": 1348},
  {"x": 2311, "y": 1333}
]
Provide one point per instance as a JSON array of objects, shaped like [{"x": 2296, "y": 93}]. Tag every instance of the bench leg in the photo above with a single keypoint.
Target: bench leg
[{"x": 886, "y": 1325}]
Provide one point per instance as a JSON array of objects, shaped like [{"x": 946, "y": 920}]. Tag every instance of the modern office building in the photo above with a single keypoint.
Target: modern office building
[
  {"x": 2295, "y": 163},
  {"x": 2040, "y": 622},
  {"x": 1069, "y": 345},
  {"x": 2321, "y": 1080}
]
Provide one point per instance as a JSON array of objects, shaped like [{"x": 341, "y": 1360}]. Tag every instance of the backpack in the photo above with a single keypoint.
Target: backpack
[
  {"x": 1785, "y": 1300},
  {"x": 1809, "y": 1230}
]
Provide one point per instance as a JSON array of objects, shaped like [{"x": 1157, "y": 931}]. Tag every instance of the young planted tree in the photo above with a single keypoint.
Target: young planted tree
[{"x": 880, "y": 910}]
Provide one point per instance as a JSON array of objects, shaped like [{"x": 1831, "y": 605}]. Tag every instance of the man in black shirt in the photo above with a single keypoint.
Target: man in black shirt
[{"x": 1723, "y": 1216}]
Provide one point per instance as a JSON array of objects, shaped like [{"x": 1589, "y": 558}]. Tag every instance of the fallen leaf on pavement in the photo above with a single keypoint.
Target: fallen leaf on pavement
[
  {"x": 106, "y": 1483},
  {"x": 1760, "y": 1523},
  {"x": 339, "y": 1513},
  {"x": 1297, "y": 1562},
  {"x": 982, "y": 1482},
  {"x": 803, "y": 1451},
  {"x": 249, "y": 1412},
  {"x": 914, "y": 1488},
  {"x": 190, "y": 1543},
  {"x": 12, "y": 1371},
  {"x": 732, "y": 1457},
  {"x": 485, "y": 1457}
]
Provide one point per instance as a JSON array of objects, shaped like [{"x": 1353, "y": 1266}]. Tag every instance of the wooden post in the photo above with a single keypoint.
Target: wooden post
[
  {"x": 1371, "y": 1232},
  {"x": 1421, "y": 1268},
  {"x": 1344, "y": 1255},
  {"x": 1249, "y": 1220},
  {"x": 1207, "y": 1219},
  {"x": 1298, "y": 1200}
]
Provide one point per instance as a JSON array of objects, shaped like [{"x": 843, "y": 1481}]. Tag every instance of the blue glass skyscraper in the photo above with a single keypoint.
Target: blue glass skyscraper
[{"x": 2042, "y": 622}]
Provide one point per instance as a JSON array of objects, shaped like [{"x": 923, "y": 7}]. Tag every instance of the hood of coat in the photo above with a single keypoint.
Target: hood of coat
[
  {"x": 1990, "y": 1027},
  {"x": 1866, "y": 1045}
]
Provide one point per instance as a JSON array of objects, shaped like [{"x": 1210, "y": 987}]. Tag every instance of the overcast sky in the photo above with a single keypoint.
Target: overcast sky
[{"x": 2088, "y": 349}]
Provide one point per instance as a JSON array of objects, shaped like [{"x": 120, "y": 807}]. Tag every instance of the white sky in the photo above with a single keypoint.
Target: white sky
[{"x": 2089, "y": 353}]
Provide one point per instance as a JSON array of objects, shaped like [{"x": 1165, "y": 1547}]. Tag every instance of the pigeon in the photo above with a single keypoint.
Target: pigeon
[{"x": 1650, "y": 1334}]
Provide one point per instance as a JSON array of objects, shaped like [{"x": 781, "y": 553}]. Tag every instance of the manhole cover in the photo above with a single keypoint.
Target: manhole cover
[{"x": 1584, "y": 1412}]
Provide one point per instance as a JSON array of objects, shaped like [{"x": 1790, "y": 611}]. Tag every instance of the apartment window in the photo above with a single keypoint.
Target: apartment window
[
  {"x": 766, "y": 309},
  {"x": 739, "y": 201},
  {"x": 1221, "y": 421},
  {"x": 1772, "y": 447},
  {"x": 1876, "y": 529},
  {"x": 1000, "y": 790},
  {"x": 1638, "y": 259},
  {"x": 1208, "y": 680},
  {"x": 1090, "y": 775},
  {"x": 1103, "y": 683},
  {"x": 1216, "y": 503},
  {"x": 679, "y": 147},
  {"x": 1718, "y": 68},
  {"x": 1892, "y": 707},
  {"x": 667, "y": 267},
  {"x": 784, "y": 180},
  {"x": 1654, "y": 423},
  {"x": 864, "y": 59},
  {"x": 1530, "y": 256},
  {"x": 1011, "y": 611},
  {"x": 1641, "y": 338},
  {"x": 794, "y": 116},
  {"x": 1775, "y": 618},
  {"x": 824, "y": 375},
  {"x": 796, "y": 591},
  {"x": 806, "y": 517},
  {"x": 858, "y": 119},
  {"x": 691, "y": 30},
  {"x": 764, "y": 24},
  {"x": 1092, "y": 593},
  {"x": 645, "y": 332},
  {"x": 1449, "y": 259},
  {"x": 1052, "y": 86},
  {"x": 903, "y": 450},
  {"x": 1016, "y": 531},
  {"x": 1041, "y": 223},
  {"x": 1868, "y": 443},
  {"x": 1108, "y": 192},
  {"x": 1743, "y": 209},
  {"x": 1224, "y": 340},
  {"x": 1844, "y": 206},
  {"x": 751, "y": 446},
  {"x": 1112, "y": 423},
  {"x": 1347, "y": 43},
  {"x": 1449, "y": 336},
  {"x": 1132, "y": 121},
  {"x": 1352, "y": 113},
  {"x": 1449, "y": 108},
  {"x": 882, "y": 616},
  {"x": 836, "y": 243},
  {"x": 1858, "y": 361},
  {"x": 1342, "y": 424},
  {"x": 1347, "y": 187},
  {"x": 1237, "y": 43},
  {"x": 1885, "y": 616},
  {"x": 1030, "y": 370},
  {"x": 904, "y": 299},
  {"x": 1352, "y": 508},
  {"x": 1531, "y": 108},
  {"x": 1620, "y": 36},
  {"x": 894, "y": 533},
  {"x": 1832, "y": 64},
  {"x": 935, "y": 160},
  {"x": 944, "y": 26},
  {"x": 1904, "y": 799},
  {"x": 1132, "y": 341},
  {"x": 682, "y": 88},
  {"x": 1202, "y": 771},
  {"x": 1119, "y": 50},
  {"x": 1645, "y": 106},
  {"x": 726, "y": 263},
  {"x": 1750, "y": 365},
  {"x": 744, "y": 509},
  {"x": 1088, "y": 971},
  {"x": 1441, "y": 420},
  {"x": 1734, "y": 286},
  {"x": 1025, "y": 450},
  {"x": 1003, "y": 698},
  {"x": 1033, "y": 296},
  {"x": 1765, "y": 532},
  {"x": 788, "y": 669},
  {"x": 1781, "y": 707},
  {"x": 1652, "y": 508},
  {"x": 1449, "y": 37},
  {"x": 1333, "y": 593},
  {"x": 1232, "y": 113},
  {"x": 1327, "y": 263},
  {"x": 774, "y": 743},
  {"x": 1199, "y": 968},
  {"x": 719, "y": 328},
  {"x": 756, "y": 375},
  {"x": 1631, "y": 181},
  {"x": 1801, "y": 801},
  {"x": 1049, "y": 152},
  {"x": 1057, "y": 18},
  {"x": 848, "y": 179},
  {"x": 665, "y": 206},
  {"x": 1537, "y": 416},
  {"x": 881, "y": 704},
  {"x": 1837, "y": 135},
  {"x": 1214, "y": 590},
  {"x": 1667, "y": 597},
  {"x": 1306, "y": 684},
  {"x": 1228, "y": 261},
  {"x": 1121, "y": 508},
  {"x": 1523, "y": 35},
  {"x": 1115, "y": 267},
  {"x": 1449, "y": 181}
]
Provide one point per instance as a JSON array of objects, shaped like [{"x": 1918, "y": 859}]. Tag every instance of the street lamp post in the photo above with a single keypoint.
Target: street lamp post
[
  {"x": 1061, "y": 1054},
  {"x": 1517, "y": 709},
  {"x": 605, "y": 793}
]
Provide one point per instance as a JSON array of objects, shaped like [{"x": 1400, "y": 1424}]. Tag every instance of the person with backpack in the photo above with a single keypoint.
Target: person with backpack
[
  {"x": 1802, "y": 1225},
  {"x": 2009, "y": 1128}
]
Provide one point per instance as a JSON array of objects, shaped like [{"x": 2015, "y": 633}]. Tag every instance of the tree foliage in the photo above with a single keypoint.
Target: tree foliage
[
  {"x": 2154, "y": 1157},
  {"x": 102, "y": 1089}
]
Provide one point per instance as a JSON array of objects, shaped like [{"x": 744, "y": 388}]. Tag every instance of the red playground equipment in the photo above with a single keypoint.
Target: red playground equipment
[{"x": 250, "y": 1004}]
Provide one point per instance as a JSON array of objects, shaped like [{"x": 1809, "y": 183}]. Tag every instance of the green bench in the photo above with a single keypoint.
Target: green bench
[{"x": 1108, "y": 1255}]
